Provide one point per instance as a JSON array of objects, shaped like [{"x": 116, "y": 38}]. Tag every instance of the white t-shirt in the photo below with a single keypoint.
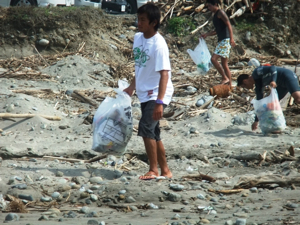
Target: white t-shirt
[{"x": 151, "y": 56}]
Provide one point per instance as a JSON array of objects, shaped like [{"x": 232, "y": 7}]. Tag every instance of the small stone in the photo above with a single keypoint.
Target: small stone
[
  {"x": 176, "y": 187},
  {"x": 176, "y": 217},
  {"x": 20, "y": 186},
  {"x": 84, "y": 209},
  {"x": 96, "y": 180},
  {"x": 71, "y": 214},
  {"x": 92, "y": 222},
  {"x": 102, "y": 223},
  {"x": 292, "y": 205},
  {"x": 46, "y": 199},
  {"x": 174, "y": 197},
  {"x": 55, "y": 195},
  {"x": 201, "y": 196},
  {"x": 121, "y": 192},
  {"x": 44, "y": 217},
  {"x": 26, "y": 197},
  {"x": 130, "y": 199},
  {"x": 84, "y": 195},
  {"x": 229, "y": 222},
  {"x": 43, "y": 42},
  {"x": 59, "y": 174},
  {"x": 240, "y": 221},
  {"x": 254, "y": 190},
  {"x": 205, "y": 221},
  {"x": 10, "y": 108},
  {"x": 12, "y": 216},
  {"x": 93, "y": 197}
]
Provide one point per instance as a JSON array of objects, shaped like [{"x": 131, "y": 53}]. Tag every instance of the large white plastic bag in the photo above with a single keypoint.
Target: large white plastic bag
[
  {"x": 112, "y": 124},
  {"x": 269, "y": 113},
  {"x": 201, "y": 57}
]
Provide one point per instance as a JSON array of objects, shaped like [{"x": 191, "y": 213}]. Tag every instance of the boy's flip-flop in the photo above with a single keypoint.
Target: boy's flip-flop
[{"x": 147, "y": 177}]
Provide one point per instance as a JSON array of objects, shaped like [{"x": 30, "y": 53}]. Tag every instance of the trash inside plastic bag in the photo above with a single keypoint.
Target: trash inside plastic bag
[
  {"x": 201, "y": 57},
  {"x": 112, "y": 124},
  {"x": 269, "y": 113}
]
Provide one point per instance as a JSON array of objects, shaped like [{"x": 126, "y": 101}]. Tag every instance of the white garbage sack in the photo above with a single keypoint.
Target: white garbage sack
[
  {"x": 112, "y": 124},
  {"x": 201, "y": 57},
  {"x": 269, "y": 113}
]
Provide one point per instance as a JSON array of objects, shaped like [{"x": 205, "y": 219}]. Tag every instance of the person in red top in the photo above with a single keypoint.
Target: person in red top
[{"x": 224, "y": 32}]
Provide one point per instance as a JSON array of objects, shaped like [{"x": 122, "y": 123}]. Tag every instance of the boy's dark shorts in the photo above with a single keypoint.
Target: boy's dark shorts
[
  {"x": 148, "y": 127},
  {"x": 291, "y": 85}
]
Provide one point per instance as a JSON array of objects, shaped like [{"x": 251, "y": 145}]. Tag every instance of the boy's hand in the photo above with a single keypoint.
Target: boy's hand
[
  {"x": 158, "y": 111},
  {"x": 273, "y": 84},
  {"x": 232, "y": 43},
  {"x": 254, "y": 126},
  {"x": 129, "y": 91},
  {"x": 203, "y": 36}
]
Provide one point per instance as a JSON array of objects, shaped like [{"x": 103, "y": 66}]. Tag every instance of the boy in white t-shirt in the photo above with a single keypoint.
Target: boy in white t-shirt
[{"x": 153, "y": 86}]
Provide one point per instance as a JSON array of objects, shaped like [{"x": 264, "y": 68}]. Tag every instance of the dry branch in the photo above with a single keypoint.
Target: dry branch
[
  {"x": 11, "y": 115},
  {"x": 200, "y": 176}
]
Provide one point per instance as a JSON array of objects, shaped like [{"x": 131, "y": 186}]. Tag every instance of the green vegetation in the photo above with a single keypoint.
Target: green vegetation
[
  {"x": 246, "y": 26},
  {"x": 181, "y": 26}
]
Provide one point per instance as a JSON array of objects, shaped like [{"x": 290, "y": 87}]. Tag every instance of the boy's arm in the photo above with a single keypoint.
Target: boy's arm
[
  {"x": 130, "y": 89},
  {"x": 273, "y": 72},
  {"x": 211, "y": 33},
  {"x": 222, "y": 15},
  {"x": 158, "y": 109}
]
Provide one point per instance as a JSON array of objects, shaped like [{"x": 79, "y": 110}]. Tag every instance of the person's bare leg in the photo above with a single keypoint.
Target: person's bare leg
[
  {"x": 162, "y": 161},
  {"x": 151, "y": 150},
  {"x": 214, "y": 60},
  {"x": 226, "y": 69}
]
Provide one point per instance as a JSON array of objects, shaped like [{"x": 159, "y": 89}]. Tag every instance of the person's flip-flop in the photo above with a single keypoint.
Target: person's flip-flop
[{"x": 147, "y": 177}]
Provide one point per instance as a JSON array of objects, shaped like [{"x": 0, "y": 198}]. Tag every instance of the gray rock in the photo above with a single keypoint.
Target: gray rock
[
  {"x": 55, "y": 195},
  {"x": 10, "y": 108},
  {"x": 46, "y": 199},
  {"x": 253, "y": 189},
  {"x": 96, "y": 180},
  {"x": 292, "y": 205},
  {"x": 70, "y": 214},
  {"x": 93, "y": 197},
  {"x": 201, "y": 196},
  {"x": 59, "y": 174},
  {"x": 26, "y": 197},
  {"x": 228, "y": 222},
  {"x": 240, "y": 221},
  {"x": 174, "y": 197},
  {"x": 12, "y": 216},
  {"x": 102, "y": 223},
  {"x": 44, "y": 217},
  {"x": 122, "y": 192},
  {"x": 176, "y": 187},
  {"x": 43, "y": 42},
  {"x": 92, "y": 222},
  {"x": 20, "y": 186},
  {"x": 84, "y": 209},
  {"x": 129, "y": 199}
]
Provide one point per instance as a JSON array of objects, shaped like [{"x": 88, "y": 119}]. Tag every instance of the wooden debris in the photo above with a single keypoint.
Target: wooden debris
[
  {"x": 200, "y": 176},
  {"x": 76, "y": 160},
  {"x": 264, "y": 181},
  {"x": 11, "y": 115},
  {"x": 250, "y": 156},
  {"x": 226, "y": 192}
]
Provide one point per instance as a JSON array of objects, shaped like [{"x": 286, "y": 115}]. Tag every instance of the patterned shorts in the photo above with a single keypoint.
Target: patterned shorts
[{"x": 223, "y": 48}]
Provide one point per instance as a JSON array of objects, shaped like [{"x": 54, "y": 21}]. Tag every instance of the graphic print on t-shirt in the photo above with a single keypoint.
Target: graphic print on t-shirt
[{"x": 140, "y": 56}]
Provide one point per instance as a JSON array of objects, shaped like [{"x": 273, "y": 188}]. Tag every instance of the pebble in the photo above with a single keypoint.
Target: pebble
[
  {"x": 229, "y": 222},
  {"x": 95, "y": 180},
  {"x": 240, "y": 221},
  {"x": 55, "y": 195},
  {"x": 10, "y": 108},
  {"x": 174, "y": 197},
  {"x": 176, "y": 187},
  {"x": 201, "y": 196},
  {"x": 44, "y": 217},
  {"x": 130, "y": 199},
  {"x": 26, "y": 197},
  {"x": 176, "y": 217},
  {"x": 254, "y": 190},
  {"x": 95, "y": 187},
  {"x": 84, "y": 195},
  {"x": 92, "y": 222},
  {"x": 205, "y": 221},
  {"x": 71, "y": 214},
  {"x": 84, "y": 209},
  {"x": 121, "y": 192},
  {"x": 102, "y": 223},
  {"x": 43, "y": 42},
  {"x": 94, "y": 197},
  {"x": 12, "y": 216},
  {"x": 20, "y": 186},
  {"x": 152, "y": 206},
  {"x": 59, "y": 174},
  {"x": 46, "y": 199},
  {"x": 133, "y": 208},
  {"x": 292, "y": 205}
]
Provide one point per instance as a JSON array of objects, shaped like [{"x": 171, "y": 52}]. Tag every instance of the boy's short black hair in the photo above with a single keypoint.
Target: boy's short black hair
[
  {"x": 213, "y": 2},
  {"x": 153, "y": 13},
  {"x": 241, "y": 78}
]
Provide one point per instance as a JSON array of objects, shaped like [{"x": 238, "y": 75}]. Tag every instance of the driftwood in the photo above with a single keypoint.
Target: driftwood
[
  {"x": 233, "y": 191},
  {"x": 81, "y": 97},
  {"x": 264, "y": 181},
  {"x": 10, "y": 115},
  {"x": 200, "y": 176},
  {"x": 250, "y": 156},
  {"x": 239, "y": 12},
  {"x": 76, "y": 160},
  {"x": 238, "y": 98},
  {"x": 206, "y": 104}
]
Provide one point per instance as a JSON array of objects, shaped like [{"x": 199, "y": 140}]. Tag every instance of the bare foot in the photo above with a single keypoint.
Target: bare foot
[
  {"x": 167, "y": 175},
  {"x": 225, "y": 82},
  {"x": 148, "y": 176}
]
